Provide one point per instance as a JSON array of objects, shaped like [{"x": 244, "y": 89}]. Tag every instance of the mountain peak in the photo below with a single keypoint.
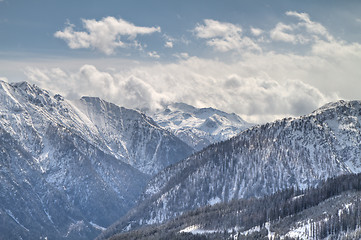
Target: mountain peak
[
  {"x": 199, "y": 127},
  {"x": 28, "y": 88},
  {"x": 23, "y": 84},
  {"x": 337, "y": 105}
]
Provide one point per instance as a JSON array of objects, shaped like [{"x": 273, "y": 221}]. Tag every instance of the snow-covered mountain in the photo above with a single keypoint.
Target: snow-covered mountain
[
  {"x": 261, "y": 160},
  {"x": 329, "y": 211},
  {"x": 73, "y": 167},
  {"x": 199, "y": 127},
  {"x": 132, "y": 136}
]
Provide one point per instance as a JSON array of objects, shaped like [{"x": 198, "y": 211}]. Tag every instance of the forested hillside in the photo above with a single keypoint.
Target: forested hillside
[{"x": 331, "y": 209}]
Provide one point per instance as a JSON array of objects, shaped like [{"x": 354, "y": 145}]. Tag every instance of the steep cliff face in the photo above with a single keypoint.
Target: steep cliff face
[
  {"x": 261, "y": 160},
  {"x": 70, "y": 168}
]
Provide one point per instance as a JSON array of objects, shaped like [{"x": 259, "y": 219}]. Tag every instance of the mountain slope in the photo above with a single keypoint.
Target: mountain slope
[
  {"x": 260, "y": 161},
  {"x": 199, "y": 127},
  {"x": 69, "y": 194},
  {"x": 70, "y": 168},
  {"x": 331, "y": 211},
  {"x": 133, "y": 137}
]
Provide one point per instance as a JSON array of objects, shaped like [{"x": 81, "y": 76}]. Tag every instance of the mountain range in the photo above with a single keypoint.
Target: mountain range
[
  {"x": 199, "y": 127},
  {"x": 293, "y": 152},
  {"x": 71, "y": 168}
]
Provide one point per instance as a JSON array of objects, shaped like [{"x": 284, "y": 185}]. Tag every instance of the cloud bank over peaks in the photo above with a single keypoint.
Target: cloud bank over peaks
[
  {"x": 246, "y": 88},
  {"x": 261, "y": 85},
  {"x": 128, "y": 91},
  {"x": 104, "y": 35}
]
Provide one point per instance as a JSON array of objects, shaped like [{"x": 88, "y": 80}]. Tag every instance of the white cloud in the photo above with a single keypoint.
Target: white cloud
[
  {"x": 259, "y": 86},
  {"x": 169, "y": 41},
  {"x": 279, "y": 33},
  {"x": 105, "y": 35},
  {"x": 129, "y": 91},
  {"x": 181, "y": 56},
  {"x": 256, "y": 31},
  {"x": 311, "y": 27},
  {"x": 153, "y": 54},
  {"x": 184, "y": 55},
  {"x": 185, "y": 40},
  {"x": 213, "y": 29},
  {"x": 139, "y": 94},
  {"x": 224, "y": 37},
  {"x": 168, "y": 44},
  {"x": 303, "y": 32},
  {"x": 268, "y": 96},
  {"x": 341, "y": 50},
  {"x": 37, "y": 75}
]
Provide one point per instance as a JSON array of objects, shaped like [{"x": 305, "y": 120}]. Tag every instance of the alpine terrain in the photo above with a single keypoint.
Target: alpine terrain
[
  {"x": 331, "y": 210},
  {"x": 293, "y": 152},
  {"x": 199, "y": 127},
  {"x": 70, "y": 168}
]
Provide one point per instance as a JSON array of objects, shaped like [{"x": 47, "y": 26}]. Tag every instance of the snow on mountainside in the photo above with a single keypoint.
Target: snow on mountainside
[
  {"x": 133, "y": 137},
  {"x": 199, "y": 127},
  {"x": 126, "y": 134},
  {"x": 69, "y": 166},
  {"x": 261, "y": 160},
  {"x": 329, "y": 211}
]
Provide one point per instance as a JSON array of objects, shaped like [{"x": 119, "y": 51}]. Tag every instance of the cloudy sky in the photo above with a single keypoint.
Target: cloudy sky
[{"x": 260, "y": 59}]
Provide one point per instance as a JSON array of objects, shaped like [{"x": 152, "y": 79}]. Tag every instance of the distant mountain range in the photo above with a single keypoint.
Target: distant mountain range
[
  {"x": 293, "y": 152},
  {"x": 199, "y": 127}
]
